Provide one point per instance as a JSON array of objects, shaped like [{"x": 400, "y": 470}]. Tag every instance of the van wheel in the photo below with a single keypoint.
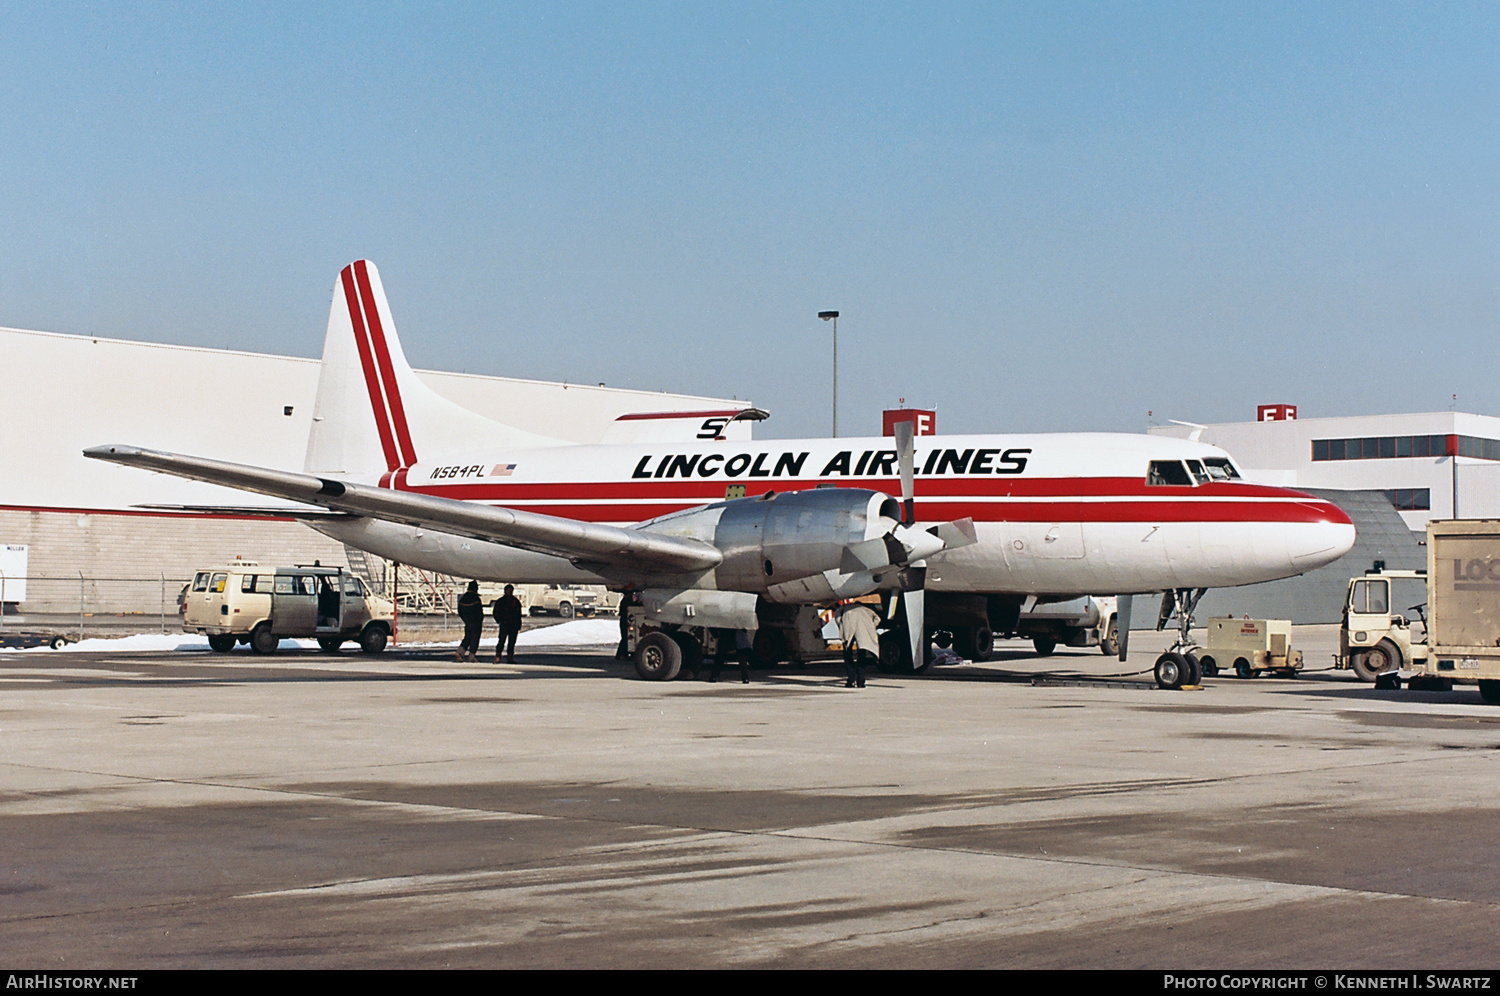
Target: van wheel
[
  {"x": 1490, "y": 692},
  {"x": 565, "y": 610},
  {"x": 1043, "y": 645},
  {"x": 330, "y": 644},
  {"x": 262, "y": 640},
  {"x": 372, "y": 640},
  {"x": 58, "y": 642},
  {"x": 657, "y": 657},
  {"x": 221, "y": 643}
]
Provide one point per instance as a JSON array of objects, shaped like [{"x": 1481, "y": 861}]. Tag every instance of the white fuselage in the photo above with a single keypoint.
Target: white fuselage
[{"x": 1054, "y": 513}]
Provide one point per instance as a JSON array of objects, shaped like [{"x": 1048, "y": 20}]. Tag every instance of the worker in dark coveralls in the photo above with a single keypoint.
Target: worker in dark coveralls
[
  {"x": 507, "y": 613},
  {"x": 471, "y": 611}
]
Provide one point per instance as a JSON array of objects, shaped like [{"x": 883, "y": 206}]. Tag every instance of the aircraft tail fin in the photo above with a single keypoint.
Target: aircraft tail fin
[{"x": 373, "y": 415}]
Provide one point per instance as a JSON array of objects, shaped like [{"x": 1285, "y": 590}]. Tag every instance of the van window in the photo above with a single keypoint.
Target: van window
[
  {"x": 1164, "y": 472},
  {"x": 286, "y": 585},
  {"x": 256, "y": 582},
  {"x": 200, "y": 581},
  {"x": 217, "y": 585},
  {"x": 353, "y": 587}
]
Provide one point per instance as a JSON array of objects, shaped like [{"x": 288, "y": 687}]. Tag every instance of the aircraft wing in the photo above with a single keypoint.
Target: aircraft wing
[{"x": 547, "y": 534}]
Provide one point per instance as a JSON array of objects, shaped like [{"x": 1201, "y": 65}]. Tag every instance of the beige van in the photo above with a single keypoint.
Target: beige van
[{"x": 243, "y": 602}]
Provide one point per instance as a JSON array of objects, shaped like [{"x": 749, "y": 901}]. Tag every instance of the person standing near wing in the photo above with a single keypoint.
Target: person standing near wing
[
  {"x": 507, "y": 613},
  {"x": 471, "y": 611}
]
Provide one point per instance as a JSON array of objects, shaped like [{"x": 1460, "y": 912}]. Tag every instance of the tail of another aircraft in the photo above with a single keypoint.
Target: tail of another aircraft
[{"x": 373, "y": 415}]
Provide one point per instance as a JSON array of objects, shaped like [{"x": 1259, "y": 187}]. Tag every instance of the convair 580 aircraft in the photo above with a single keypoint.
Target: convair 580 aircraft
[{"x": 728, "y": 534}]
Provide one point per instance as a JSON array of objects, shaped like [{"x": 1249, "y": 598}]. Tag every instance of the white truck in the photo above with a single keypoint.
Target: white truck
[
  {"x": 1090, "y": 621},
  {"x": 1454, "y": 637}
]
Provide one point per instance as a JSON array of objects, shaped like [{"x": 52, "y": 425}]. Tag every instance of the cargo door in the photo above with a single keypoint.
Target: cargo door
[{"x": 1465, "y": 591}]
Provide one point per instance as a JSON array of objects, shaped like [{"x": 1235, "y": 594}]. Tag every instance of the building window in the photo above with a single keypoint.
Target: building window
[
  {"x": 1411, "y": 499},
  {"x": 1389, "y": 447}
]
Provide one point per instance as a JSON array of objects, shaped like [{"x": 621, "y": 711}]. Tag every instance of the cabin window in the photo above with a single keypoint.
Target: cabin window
[
  {"x": 1196, "y": 469},
  {"x": 1168, "y": 472},
  {"x": 1220, "y": 469}
]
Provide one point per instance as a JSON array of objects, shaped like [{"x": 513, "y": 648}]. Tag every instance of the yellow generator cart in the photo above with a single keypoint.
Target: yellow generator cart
[{"x": 1250, "y": 646}]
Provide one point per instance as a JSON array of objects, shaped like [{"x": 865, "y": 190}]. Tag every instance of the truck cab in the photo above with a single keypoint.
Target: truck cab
[
  {"x": 243, "y": 602},
  {"x": 1373, "y": 638}
]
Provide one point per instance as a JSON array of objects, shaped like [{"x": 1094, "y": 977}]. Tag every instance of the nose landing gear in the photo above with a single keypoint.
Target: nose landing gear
[{"x": 1179, "y": 666}]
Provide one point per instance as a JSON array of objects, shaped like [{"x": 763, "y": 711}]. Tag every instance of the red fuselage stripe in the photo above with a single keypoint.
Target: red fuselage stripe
[
  {"x": 367, "y": 363},
  {"x": 617, "y": 502}
]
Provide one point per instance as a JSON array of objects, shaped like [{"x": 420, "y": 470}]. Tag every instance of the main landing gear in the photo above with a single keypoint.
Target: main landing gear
[{"x": 1179, "y": 666}]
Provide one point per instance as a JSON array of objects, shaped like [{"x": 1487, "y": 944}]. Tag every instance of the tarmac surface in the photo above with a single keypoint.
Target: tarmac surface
[{"x": 177, "y": 809}]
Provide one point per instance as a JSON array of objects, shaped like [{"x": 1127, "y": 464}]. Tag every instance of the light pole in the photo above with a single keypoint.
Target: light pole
[{"x": 834, "y": 317}]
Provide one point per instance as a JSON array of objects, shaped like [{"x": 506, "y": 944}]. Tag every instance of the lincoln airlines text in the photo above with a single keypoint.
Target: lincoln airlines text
[{"x": 845, "y": 463}]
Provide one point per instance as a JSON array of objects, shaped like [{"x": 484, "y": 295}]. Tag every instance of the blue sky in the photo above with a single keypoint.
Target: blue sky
[{"x": 1031, "y": 216}]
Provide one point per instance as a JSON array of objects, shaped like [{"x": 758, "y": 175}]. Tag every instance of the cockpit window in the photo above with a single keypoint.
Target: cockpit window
[
  {"x": 1165, "y": 472},
  {"x": 1196, "y": 469},
  {"x": 1220, "y": 469}
]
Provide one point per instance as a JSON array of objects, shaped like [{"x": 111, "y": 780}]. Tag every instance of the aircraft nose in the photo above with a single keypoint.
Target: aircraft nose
[{"x": 1327, "y": 533}]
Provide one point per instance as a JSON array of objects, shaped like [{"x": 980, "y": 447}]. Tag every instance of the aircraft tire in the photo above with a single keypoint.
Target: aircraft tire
[
  {"x": 221, "y": 643},
  {"x": 1170, "y": 671},
  {"x": 262, "y": 640},
  {"x": 692, "y": 651},
  {"x": 984, "y": 643},
  {"x": 657, "y": 657},
  {"x": 1194, "y": 673}
]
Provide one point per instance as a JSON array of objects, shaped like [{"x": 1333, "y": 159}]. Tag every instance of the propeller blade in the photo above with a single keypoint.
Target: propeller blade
[
  {"x": 906, "y": 454},
  {"x": 959, "y": 532},
  {"x": 1122, "y": 622},
  {"x": 914, "y": 602}
]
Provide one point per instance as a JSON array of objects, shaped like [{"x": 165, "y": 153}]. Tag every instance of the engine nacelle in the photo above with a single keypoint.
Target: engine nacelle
[{"x": 779, "y": 538}]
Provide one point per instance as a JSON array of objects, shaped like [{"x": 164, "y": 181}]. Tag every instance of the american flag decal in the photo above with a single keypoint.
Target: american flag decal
[{"x": 502, "y": 470}]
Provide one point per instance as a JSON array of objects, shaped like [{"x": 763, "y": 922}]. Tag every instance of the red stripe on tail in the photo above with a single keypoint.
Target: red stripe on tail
[
  {"x": 387, "y": 373},
  {"x": 367, "y": 363}
]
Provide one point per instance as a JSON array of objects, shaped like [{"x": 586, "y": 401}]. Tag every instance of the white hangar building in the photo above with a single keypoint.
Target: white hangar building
[{"x": 86, "y": 540}]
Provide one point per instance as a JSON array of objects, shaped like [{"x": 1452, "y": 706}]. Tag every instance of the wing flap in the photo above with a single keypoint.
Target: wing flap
[{"x": 547, "y": 534}]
